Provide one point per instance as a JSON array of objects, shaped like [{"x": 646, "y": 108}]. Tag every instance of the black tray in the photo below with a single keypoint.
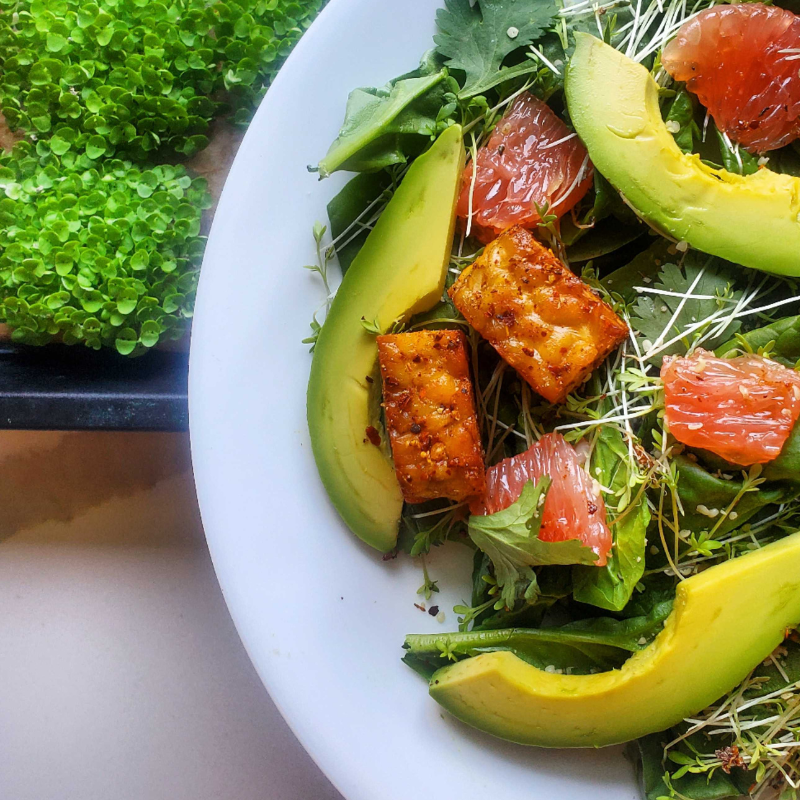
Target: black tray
[{"x": 72, "y": 388}]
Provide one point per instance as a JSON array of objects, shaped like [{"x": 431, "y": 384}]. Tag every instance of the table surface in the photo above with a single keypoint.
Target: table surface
[{"x": 121, "y": 674}]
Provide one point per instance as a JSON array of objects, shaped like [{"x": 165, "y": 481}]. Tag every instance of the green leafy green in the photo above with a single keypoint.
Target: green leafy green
[
  {"x": 780, "y": 341},
  {"x": 705, "y": 498},
  {"x": 662, "y": 317},
  {"x": 352, "y": 209},
  {"x": 654, "y": 773},
  {"x": 734, "y": 158},
  {"x": 680, "y": 121},
  {"x": 252, "y": 39},
  {"x": 99, "y": 252},
  {"x": 132, "y": 78},
  {"x": 589, "y": 645},
  {"x": 606, "y": 237},
  {"x": 511, "y": 540},
  {"x": 642, "y": 270},
  {"x": 611, "y": 586},
  {"x": 385, "y": 126},
  {"x": 477, "y": 37}
]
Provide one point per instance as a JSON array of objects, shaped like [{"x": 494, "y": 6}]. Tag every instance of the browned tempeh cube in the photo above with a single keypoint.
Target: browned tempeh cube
[
  {"x": 542, "y": 319},
  {"x": 430, "y": 415}
]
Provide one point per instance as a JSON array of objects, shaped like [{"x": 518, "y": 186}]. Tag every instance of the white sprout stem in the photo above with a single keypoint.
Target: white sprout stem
[
  {"x": 677, "y": 312},
  {"x": 638, "y": 411},
  {"x": 552, "y": 67},
  {"x": 734, "y": 148},
  {"x": 666, "y": 293},
  {"x": 558, "y": 142},
  {"x": 472, "y": 183},
  {"x": 505, "y": 427},
  {"x": 578, "y": 178},
  {"x": 527, "y": 85},
  {"x": 728, "y": 319},
  {"x": 768, "y": 307},
  {"x": 687, "y": 330}
]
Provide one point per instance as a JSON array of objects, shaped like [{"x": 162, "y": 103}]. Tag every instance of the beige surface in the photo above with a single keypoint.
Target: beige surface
[{"x": 121, "y": 675}]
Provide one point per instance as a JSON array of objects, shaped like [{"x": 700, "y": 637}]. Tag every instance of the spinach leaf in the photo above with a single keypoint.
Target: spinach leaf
[
  {"x": 585, "y": 646},
  {"x": 642, "y": 270},
  {"x": 786, "y": 467},
  {"x": 476, "y": 37},
  {"x": 780, "y": 339},
  {"x": 651, "y": 316},
  {"x": 698, "y": 488},
  {"x": 681, "y": 116},
  {"x": 348, "y": 206},
  {"x": 388, "y": 125},
  {"x": 606, "y": 237},
  {"x": 511, "y": 540},
  {"x": 553, "y": 583},
  {"x": 611, "y": 586},
  {"x": 734, "y": 158},
  {"x": 652, "y": 770}
]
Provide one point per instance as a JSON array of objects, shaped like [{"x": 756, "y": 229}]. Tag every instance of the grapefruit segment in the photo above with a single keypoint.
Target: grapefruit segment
[
  {"x": 532, "y": 158},
  {"x": 742, "y": 62},
  {"x": 573, "y": 507},
  {"x": 743, "y": 409}
]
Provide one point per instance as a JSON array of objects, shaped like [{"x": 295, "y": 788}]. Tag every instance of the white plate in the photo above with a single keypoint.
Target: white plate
[{"x": 322, "y": 617}]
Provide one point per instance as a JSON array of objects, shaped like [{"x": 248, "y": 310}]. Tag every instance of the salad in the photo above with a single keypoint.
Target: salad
[{"x": 567, "y": 337}]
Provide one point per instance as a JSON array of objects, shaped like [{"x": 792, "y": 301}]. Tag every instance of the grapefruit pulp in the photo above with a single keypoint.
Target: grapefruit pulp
[
  {"x": 742, "y": 62},
  {"x": 573, "y": 508},
  {"x": 532, "y": 158},
  {"x": 743, "y": 409}
]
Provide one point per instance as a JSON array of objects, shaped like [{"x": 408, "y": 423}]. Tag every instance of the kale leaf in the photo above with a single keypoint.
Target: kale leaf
[{"x": 477, "y": 37}]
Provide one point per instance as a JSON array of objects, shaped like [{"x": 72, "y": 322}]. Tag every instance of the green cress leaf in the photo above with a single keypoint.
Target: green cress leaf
[
  {"x": 142, "y": 75},
  {"x": 379, "y": 123},
  {"x": 477, "y": 37},
  {"x": 511, "y": 540},
  {"x": 86, "y": 259},
  {"x": 611, "y": 586}
]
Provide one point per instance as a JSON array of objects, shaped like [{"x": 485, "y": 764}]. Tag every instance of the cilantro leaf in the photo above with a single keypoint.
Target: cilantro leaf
[
  {"x": 476, "y": 38},
  {"x": 652, "y": 315},
  {"x": 511, "y": 540}
]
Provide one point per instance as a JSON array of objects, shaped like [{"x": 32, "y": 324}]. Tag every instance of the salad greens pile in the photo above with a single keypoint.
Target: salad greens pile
[
  {"x": 101, "y": 241},
  {"x": 673, "y": 511}
]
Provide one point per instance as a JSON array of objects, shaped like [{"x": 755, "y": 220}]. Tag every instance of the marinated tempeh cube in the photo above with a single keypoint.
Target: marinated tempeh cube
[
  {"x": 430, "y": 415},
  {"x": 542, "y": 319}
]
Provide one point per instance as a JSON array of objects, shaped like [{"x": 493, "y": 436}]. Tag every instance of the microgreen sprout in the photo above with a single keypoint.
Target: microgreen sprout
[
  {"x": 133, "y": 78},
  {"x": 98, "y": 252}
]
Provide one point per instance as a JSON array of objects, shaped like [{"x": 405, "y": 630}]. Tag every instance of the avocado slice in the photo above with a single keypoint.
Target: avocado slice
[
  {"x": 724, "y": 622},
  {"x": 751, "y": 220},
  {"x": 399, "y": 272}
]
